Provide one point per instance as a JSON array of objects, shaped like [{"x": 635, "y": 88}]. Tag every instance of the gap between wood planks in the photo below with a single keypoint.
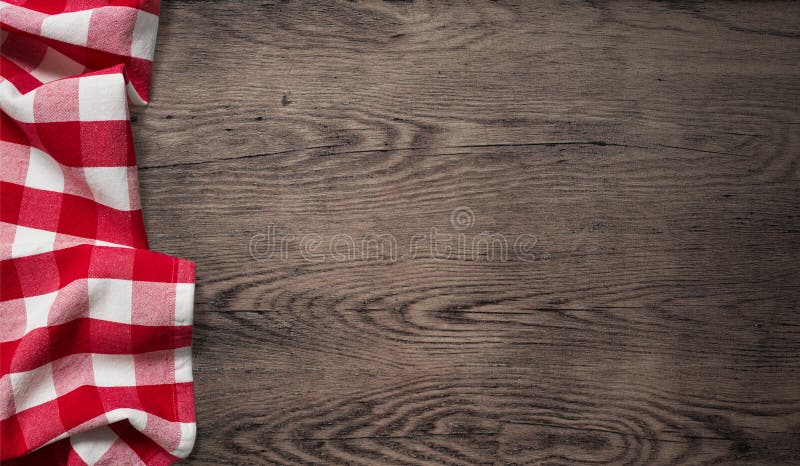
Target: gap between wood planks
[{"x": 467, "y": 146}]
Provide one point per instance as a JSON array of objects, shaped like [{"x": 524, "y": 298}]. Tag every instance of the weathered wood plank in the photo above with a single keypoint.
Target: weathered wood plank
[
  {"x": 264, "y": 77},
  {"x": 506, "y": 414},
  {"x": 604, "y": 234}
]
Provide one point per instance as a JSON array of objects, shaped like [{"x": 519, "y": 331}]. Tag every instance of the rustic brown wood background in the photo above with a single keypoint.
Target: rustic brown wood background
[{"x": 652, "y": 149}]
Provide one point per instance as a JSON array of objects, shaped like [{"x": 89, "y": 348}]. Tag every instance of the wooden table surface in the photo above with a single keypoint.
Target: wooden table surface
[{"x": 589, "y": 214}]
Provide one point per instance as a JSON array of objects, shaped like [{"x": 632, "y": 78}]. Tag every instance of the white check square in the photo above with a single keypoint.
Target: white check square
[
  {"x": 184, "y": 303},
  {"x": 92, "y": 444},
  {"x": 72, "y": 27},
  {"x": 114, "y": 370},
  {"x": 37, "y": 310},
  {"x": 30, "y": 241},
  {"x": 109, "y": 186},
  {"x": 33, "y": 387},
  {"x": 44, "y": 172},
  {"x": 17, "y": 106},
  {"x": 110, "y": 300},
  {"x": 144, "y": 35},
  {"x": 183, "y": 364},
  {"x": 102, "y": 98},
  {"x": 56, "y": 65}
]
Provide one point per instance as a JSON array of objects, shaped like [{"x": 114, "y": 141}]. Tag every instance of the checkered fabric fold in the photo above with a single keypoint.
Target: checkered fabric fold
[{"x": 95, "y": 329}]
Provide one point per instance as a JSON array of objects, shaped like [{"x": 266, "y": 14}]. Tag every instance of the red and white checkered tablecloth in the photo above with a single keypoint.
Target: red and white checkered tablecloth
[{"x": 95, "y": 329}]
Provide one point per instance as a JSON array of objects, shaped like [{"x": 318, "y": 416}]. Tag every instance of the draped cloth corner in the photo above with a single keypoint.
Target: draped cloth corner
[{"x": 95, "y": 329}]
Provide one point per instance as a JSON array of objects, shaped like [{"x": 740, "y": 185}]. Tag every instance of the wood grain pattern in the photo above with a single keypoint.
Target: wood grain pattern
[{"x": 649, "y": 150}]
